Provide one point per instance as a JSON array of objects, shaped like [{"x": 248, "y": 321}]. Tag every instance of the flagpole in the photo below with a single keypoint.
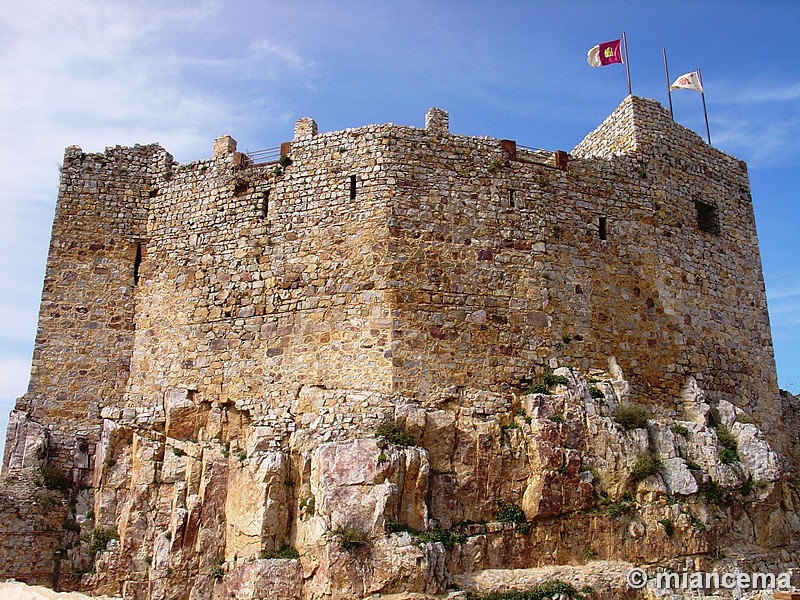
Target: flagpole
[
  {"x": 705, "y": 112},
  {"x": 666, "y": 74},
  {"x": 627, "y": 64}
]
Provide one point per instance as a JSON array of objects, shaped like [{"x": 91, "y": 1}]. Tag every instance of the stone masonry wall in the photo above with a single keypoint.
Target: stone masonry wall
[
  {"x": 261, "y": 280},
  {"x": 211, "y": 334},
  {"x": 31, "y": 532},
  {"x": 399, "y": 260},
  {"x": 85, "y": 336},
  {"x": 501, "y": 271}
]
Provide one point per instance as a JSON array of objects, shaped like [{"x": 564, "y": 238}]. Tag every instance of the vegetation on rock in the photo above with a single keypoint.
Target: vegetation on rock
[
  {"x": 632, "y": 416},
  {"x": 394, "y": 434},
  {"x": 545, "y": 591}
]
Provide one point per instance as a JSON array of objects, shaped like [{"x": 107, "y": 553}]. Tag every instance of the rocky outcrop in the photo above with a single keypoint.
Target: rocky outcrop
[{"x": 203, "y": 505}]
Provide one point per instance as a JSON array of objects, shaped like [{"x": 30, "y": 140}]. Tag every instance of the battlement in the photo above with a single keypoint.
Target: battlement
[{"x": 398, "y": 262}]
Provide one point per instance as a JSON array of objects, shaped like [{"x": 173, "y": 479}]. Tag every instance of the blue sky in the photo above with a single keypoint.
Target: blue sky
[{"x": 99, "y": 73}]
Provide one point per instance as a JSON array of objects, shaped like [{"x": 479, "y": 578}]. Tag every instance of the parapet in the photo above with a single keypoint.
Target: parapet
[
  {"x": 437, "y": 120},
  {"x": 305, "y": 128}
]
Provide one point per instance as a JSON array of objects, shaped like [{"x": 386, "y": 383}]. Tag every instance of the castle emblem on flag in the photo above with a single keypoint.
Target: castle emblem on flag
[{"x": 606, "y": 53}]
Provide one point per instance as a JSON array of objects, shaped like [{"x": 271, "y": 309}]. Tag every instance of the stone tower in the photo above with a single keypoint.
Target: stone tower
[{"x": 215, "y": 337}]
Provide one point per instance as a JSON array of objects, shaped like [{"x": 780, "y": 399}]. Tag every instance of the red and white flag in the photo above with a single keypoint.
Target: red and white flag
[
  {"x": 606, "y": 53},
  {"x": 689, "y": 81}
]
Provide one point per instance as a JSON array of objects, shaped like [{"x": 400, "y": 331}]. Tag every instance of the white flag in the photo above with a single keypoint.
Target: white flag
[{"x": 690, "y": 81}]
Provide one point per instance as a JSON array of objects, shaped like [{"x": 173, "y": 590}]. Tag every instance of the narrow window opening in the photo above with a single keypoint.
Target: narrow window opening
[
  {"x": 602, "y": 228},
  {"x": 265, "y": 203},
  {"x": 137, "y": 262},
  {"x": 352, "y": 186},
  {"x": 511, "y": 200},
  {"x": 707, "y": 217}
]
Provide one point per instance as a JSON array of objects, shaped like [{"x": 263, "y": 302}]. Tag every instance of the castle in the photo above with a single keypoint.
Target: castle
[{"x": 210, "y": 332}]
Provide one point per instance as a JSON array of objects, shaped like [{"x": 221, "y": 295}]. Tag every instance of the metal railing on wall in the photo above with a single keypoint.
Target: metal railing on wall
[{"x": 262, "y": 157}]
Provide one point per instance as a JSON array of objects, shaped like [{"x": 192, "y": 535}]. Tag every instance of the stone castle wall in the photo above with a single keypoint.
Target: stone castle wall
[
  {"x": 219, "y": 342},
  {"x": 501, "y": 271},
  {"x": 85, "y": 336},
  {"x": 396, "y": 260}
]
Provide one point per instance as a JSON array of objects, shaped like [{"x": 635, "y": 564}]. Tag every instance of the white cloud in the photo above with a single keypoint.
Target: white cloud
[
  {"x": 757, "y": 120},
  {"x": 757, "y": 92},
  {"x": 105, "y": 72},
  {"x": 790, "y": 292}
]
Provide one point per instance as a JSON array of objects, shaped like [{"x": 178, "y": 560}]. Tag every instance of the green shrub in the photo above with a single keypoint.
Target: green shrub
[
  {"x": 521, "y": 412},
  {"x": 556, "y": 418},
  {"x": 728, "y": 453},
  {"x": 589, "y": 553},
  {"x": 597, "y": 393},
  {"x": 394, "y": 434},
  {"x": 447, "y": 537},
  {"x": 98, "y": 539},
  {"x": 728, "y": 456},
  {"x": 52, "y": 478},
  {"x": 49, "y": 498},
  {"x": 644, "y": 467},
  {"x": 549, "y": 379},
  {"x": 715, "y": 494},
  {"x": 286, "y": 553},
  {"x": 397, "y": 527},
  {"x": 680, "y": 430},
  {"x": 538, "y": 388},
  {"x": 622, "y": 507},
  {"x": 217, "y": 573},
  {"x": 545, "y": 591},
  {"x": 698, "y": 524},
  {"x": 632, "y": 416},
  {"x": 351, "y": 539},
  {"x": 743, "y": 418},
  {"x": 309, "y": 504},
  {"x": 510, "y": 513},
  {"x": 725, "y": 437},
  {"x": 669, "y": 528}
]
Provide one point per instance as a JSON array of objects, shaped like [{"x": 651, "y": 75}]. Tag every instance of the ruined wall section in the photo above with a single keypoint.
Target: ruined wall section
[
  {"x": 261, "y": 280},
  {"x": 507, "y": 267},
  {"x": 85, "y": 336}
]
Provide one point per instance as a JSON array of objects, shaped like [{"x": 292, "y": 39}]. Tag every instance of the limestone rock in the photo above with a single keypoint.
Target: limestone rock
[
  {"x": 256, "y": 514},
  {"x": 29, "y": 450}
]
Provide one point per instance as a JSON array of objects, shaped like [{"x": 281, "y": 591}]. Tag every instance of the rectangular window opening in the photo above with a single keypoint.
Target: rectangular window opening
[
  {"x": 264, "y": 203},
  {"x": 352, "y": 186},
  {"x": 707, "y": 217},
  {"x": 137, "y": 262},
  {"x": 511, "y": 200},
  {"x": 602, "y": 228}
]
